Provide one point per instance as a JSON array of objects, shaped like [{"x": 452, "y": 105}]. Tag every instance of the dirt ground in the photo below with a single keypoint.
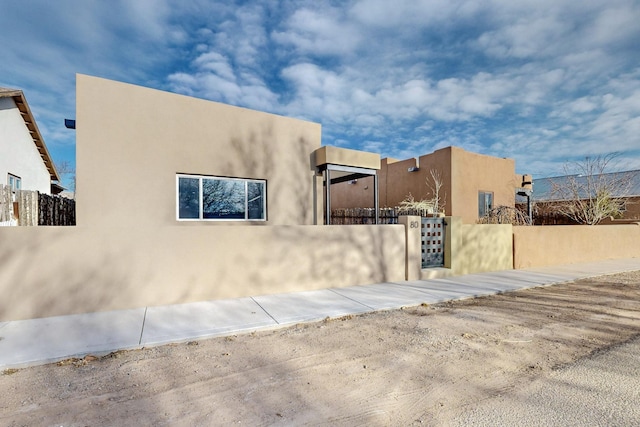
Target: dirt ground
[{"x": 419, "y": 365}]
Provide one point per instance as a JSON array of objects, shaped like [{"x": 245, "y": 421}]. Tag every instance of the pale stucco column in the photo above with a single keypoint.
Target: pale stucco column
[
  {"x": 318, "y": 199},
  {"x": 413, "y": 246}
]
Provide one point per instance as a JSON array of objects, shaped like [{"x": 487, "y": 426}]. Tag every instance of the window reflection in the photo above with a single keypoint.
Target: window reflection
[
  {"x": 223, "y": 199},
  {"x": 214, "y": 198},
  {"x": 189, "y": 198}
]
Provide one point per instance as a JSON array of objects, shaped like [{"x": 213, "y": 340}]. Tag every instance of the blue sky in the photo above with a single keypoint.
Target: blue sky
[{"x": 543, "y": 82}]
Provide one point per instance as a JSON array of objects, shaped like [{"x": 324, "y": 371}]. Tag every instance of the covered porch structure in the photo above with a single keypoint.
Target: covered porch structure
[{"x": 337, "y": 165}]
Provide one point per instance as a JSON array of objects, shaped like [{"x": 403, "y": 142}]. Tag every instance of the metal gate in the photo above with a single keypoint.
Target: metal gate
[{"x": 432, "y": 242}]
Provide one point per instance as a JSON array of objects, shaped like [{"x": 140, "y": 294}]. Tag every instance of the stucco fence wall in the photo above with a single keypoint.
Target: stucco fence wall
[
  {"x": 469, "y": 248},
  {"x": 570, "y": 244},
  {"x": 48, "y": 271},
  {"x": 482, "y": 248}
]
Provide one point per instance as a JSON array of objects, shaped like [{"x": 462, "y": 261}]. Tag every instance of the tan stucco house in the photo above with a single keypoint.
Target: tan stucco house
[
  {"x": 150, "y": 157},
  {"x": 25, "y": 162},
  {"x": 472, "y": 183}
]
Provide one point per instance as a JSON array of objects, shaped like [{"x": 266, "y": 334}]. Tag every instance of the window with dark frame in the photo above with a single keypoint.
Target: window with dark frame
[
  {"x": 485, "y": 203},
  {"x": 212, "y": 198}
]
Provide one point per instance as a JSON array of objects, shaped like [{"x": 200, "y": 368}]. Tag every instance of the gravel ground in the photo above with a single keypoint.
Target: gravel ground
[
  {"x": 599, "y": 390},
  {"x": 559, "y": 355}
]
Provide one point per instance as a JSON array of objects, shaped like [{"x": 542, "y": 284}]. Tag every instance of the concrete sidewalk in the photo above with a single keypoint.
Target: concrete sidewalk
[{"x": 37, "y": 341}]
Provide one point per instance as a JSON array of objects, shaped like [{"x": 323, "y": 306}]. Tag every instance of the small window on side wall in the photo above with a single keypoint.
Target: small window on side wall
[
  {"x": 211, "y": 198},
  {"x": 485, "y": 203},
  {"x": 14, "y": 182}
]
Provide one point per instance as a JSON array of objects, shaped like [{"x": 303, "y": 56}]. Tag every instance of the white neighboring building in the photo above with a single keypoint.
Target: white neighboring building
[{"x": 25, "y": 162}]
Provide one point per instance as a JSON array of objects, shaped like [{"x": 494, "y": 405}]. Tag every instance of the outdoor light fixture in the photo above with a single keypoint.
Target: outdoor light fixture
[
  {"x": 353, "y": 181},
  {"x": 413, "y": 169},
  {"x": 69, "y": 124}
]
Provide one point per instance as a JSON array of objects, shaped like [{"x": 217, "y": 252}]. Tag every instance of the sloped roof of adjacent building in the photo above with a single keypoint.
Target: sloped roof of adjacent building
[
  {"x": 543, "y": 187},
  {"x": 30, "y": 122}
]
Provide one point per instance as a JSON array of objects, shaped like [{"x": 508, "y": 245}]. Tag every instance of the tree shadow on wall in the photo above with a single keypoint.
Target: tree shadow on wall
[
  {"x": 485, "y": 247},
  {"x": 287, "y": 170},
  {"x": 319, "y": 257},
  {"x": 69, "y": 288}
]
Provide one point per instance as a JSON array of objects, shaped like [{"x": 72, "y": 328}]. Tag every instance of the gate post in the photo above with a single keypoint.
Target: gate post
[
  {"x": 413, "y": 246},
  {"x": 453, "y": 242}
]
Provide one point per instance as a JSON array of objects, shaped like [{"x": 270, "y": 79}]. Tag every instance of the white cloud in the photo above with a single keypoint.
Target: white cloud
[
  {"x": 336, "y": 97},
  {"x": 148, "y": 16},
  {"x": 618, "y": 24},
  {"x": 216, "y": 63},
  {"x": 319, "y": 93},
  {"x": 582, "y": 105},
  {"x": 225, "y": 88},
  {"x": 319, "y": 33},
  {"x": 620, "y": 120},
  {"x": 525, "y": 38},
  {"x": 243, "y": 35},
  {"x": 401, "y": 14}
]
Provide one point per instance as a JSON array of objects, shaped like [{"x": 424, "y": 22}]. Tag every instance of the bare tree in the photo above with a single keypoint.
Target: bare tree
[
  {"x": 589, "y": 192},
  {"x": 432, "y": 205},
  {"x": 65, "y": 169},
  {"x": 435, "y": 185}
]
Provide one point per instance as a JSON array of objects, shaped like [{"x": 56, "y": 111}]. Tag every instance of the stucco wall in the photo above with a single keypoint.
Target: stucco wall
[
  {"x": 18, "y": 153},
  {"x": 132, "y": 141},
  {"x": 356, "y": 195},
  {"x": 485, "y": 247},
  {"x": 569, "y": 244},
  {"x": 471, "y": 173},
  {"x": 399, "y": 182},
  {"x": 477, "y": 248},
  {"x": 49, "y": 271}
]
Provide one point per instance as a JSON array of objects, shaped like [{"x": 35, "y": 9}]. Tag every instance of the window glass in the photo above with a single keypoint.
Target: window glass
[
  {"x": 485, "y": 203},
  {"x": 217, "y": 198},
  {"x": 188, "y": 198},
  {"x": 223, "y": 199},
  {"x": 255, "y": 200},
  {"x": 14, "y": 182}
]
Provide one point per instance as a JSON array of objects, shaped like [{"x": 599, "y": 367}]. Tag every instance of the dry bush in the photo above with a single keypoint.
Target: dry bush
[
  {"x": 505, "y": 215},
  {"x": 424, "y": 207}
]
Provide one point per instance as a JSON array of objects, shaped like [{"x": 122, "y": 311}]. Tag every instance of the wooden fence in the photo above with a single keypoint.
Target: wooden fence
[
  {"x": 30, "y": 208},
  {"x": 18, "y": 207},
  {"x": 348, "y": 216},
  {"x": 363, "y": 216},
  {"x": 56, "y": 210},
  {"x": 6, "y": 205}
]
